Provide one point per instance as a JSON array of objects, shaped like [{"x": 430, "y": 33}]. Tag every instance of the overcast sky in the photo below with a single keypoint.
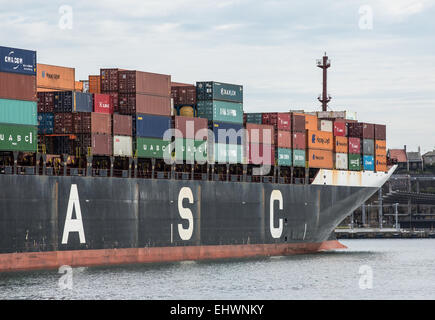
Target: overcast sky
[{"x": 383, "y": 68}]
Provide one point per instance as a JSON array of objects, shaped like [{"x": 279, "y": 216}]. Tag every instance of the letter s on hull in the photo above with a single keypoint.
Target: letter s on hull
[
  {"x": 275, "y": 196},
  {"x": 185, "y": 213}
]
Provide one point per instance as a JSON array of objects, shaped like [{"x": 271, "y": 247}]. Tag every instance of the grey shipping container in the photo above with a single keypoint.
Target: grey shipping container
[
  {"x": 368, "y": 147},
  {"x": 211, "y": 90},
  {"x": 17, "y": 86}
]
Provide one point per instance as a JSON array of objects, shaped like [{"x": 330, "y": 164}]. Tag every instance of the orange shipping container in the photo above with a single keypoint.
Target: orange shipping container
[
  {"x": 79, "y": 86},
  {"x": 311, "y": 122},
  {"x": 55, "y": 77},
  {"x": 94, "y": 84},
  {"x": 320, "y": 140},
  {"x": 341, "y": 144},
  {"x": 381, "y": 164},
  {"x": 322, "y": 159},
  {"x": 381, "y": 147}
]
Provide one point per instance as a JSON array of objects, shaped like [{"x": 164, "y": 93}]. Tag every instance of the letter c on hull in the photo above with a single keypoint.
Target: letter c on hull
[
  {"x": 275, "y": 196},
  {"x": 185, "y": 213}
]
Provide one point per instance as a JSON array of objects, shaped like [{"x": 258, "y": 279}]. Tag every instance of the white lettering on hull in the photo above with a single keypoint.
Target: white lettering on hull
[
  {"x": 185, "y": 213},
  {"x": 276, "y": 232},
  {"x": 73, "y": 225}
]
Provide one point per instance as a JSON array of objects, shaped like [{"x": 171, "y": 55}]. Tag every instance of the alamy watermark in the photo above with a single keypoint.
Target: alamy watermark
[
  {"x": 366, "y": 17},
  {"x": 66, "y": 280},
  {"x": 66, "y": 17},
  {"x": 366, "y": 278}
]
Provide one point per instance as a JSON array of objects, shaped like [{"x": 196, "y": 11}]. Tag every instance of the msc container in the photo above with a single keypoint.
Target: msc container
[
  {"x": 18, "y": 138},
  {"x": 281, "y": 121},
  {"x": 380, "y": 147},
  {"x": 299, "y": 140},
  {"x": 354, "y": 145},
  {"x": 183, "y": 95},
  {"x": 228, "y": 133},
  {"x": 299, "y": 158},
  {"x": 109, "y": 80},
  {"x": 101, "y": 123},
  {"x": 18, "y": 112},
  {"x": 368, "y": 147},
  {"x": 55, "y": 77},
  {"x": 341, "y": 144},
  {"x": 354, "y": 162},
  {"x": 223, "y": 111},
  {"x": 190, "y": 150},
  {"x": 381, "y": 163},
  {"x": 17, "y": 86},
  {"x": 131, "y": 81},
  {"x": 326, "y": 125},
  {"x": 153, "y": 148},
  {"x": 321, "y": 159},
  {"x": 320, "y": 140},
  {"x": 298, "y": 122},
  {"x": 227, "y": 153},
  {"x": 45, "y": 123},
  {"x": 283, "y": 139},
  {"x": 19, "y": 61},
  {"x": 94, "y": 84},
  {"x": 139, "y": 103},
  {"x": 380, "y": 132},
  {"x": 122, "y": 146},
  {"x": 361, "y": 130},
  {"x": 191, "y": 127},
  {"x": 369, "y": 163},
  {"x": 253, "y": 118},
  {"x": 284, "y": 157},
  {"x": 260, "y": 154},
  {"x": 122, "y": 125},
  {"x": 260, "y": 133},
  {"x": 211, "y": 90},
  {"x": 102, "y": 103},
  {"x": 341, "y": 161},
  {"x": 151, "y": 126}
]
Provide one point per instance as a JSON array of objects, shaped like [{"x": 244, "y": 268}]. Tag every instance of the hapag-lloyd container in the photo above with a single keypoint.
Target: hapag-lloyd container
[
  {"x": 122, "y": 146},
  {"x": 380, "y": 147},
  {"x": 101, "y": 123},
  {"x": 320, "y": 159},
  {"x": 144, "y": 83},
  {"x": 153, "y": 148},
  {"x": 354, "y": 145},
  {"x": 341, "y": 144},
  {"x": 122, "y": 125},
  {"x": 284, "y": 157},
  {"x": 369, "y": 163},
  {"x": 18, "y": 112},
  {"x": 151, "y": 126},
  {"x": 17, "y": 86},
  {"x": 19, "y": 61},
  {"x": 211, "y": 90},
  {"x": 381, "y": 163},
  {"x": 299, "y": 158},
  {"x": 139, "y": 103},
  {"x": 341, "y": 161},
  {"x": 228, "y": 133},
  {"x": 18, "y": 138},
  {"x": 103, "y": 103},
  {"x": 55, "y": 77},
  {"x": 355, "y": 162},
  {"x": 191, "y": 150},
  {"x": 192, "y": 128},
  {"x": 320, "y": 140},
  {"x": 283, "y": 139},
  {"x": 260, "y": 133},
  {"x": 299, "y": 140},
  {"x": 224, "y": 111},
  {"x": 260, "y": 154}
]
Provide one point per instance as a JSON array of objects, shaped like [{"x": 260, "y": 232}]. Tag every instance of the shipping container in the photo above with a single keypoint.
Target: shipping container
[
  {"x": 380, "y": 147},
  {"x": 103, "y": 103},
  {"x": 55, "y": 77},
  {"x": 369, "y": 163},
  {"x": 311, "y": 122},
  {"x": 219, "y": 91},
  {"x": 227, "y": 133},
  {"x": 223, "y": 111},
  {"x": 320, "y": 140},
  {"x": 380, "y": 132},
  {"x": 147, "y": 83},
  {"x": 253, "y": 118},
  {"x": 18, "y": 61},
  {"x": 17, "y": 86},
  {"x": 381, "y": 163},
  {"x": 63, "y": 123},
  {"x": 227, "y": 153},
  {"x": 283, "y": 139},
  {"x": 122, "y": 146},
  {"x": 45, "y": 101},
  {"x": 191, "y": 150},
  {"x": 122, "y": 125},
  {"x": 354, "y": 145},
  {"x": 18, "y": 112},
  {"x": 94, "y": 84},
  {"x": 340, "y": 129},
  {"x": 321, "y": 159},
  {"x": 153, "y": 148},
  {"x": 72, "y": 101},
  {"x": 140, "y": 103},
  {"x": 341, "y": 144},
  {"x": 85, "y": 84},
  {"x": 368, "y": 147},
  {"x": 260, "y": 133},
  {"x": 260, "y": 154},
  {"x": 281, "y": 121},
  {"x": 45, "y": 123},
  {"x": 18, "y": 138},
  {"x": 299, "y": 158},
  {"x": 93, "y": 144},
  {"x": 354, "y": 162},
  {"x": 341, "y": 161},
  {"x": 101, "y": 123},
  {"x": 326, "y": 125},
  {"x": 109, "y": 80},
  {"x": 192, "y": 128},
  {"x": 151, "y": 126},
  {"x": 361, "y": 130},
  {"x": 299, "y": 140},
  {"x": 284, "y": 157},
  {"x": 114, "y": 98},
  {"x": 183, "y": 95},
  {"x": 298, "y": 122},
  {"x": 78, "y": 86}
]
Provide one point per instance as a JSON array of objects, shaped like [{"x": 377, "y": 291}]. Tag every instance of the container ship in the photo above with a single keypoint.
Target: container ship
[{"x": 130, "y": 167}]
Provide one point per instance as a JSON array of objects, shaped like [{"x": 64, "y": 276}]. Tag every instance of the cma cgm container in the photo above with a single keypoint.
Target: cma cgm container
[
  {"x": 19, "y": 61},
  {"x": 227, "y": 153},
  {"x": 122, "y": 125},
  {"x": 144, "y": 83},
  {"x": 103, "y": 103},
  {"x": 355, "y": 162},
  {"x": 191, "y": 150},
  {"x": 284, "y": 157},
  {"x": 281, "y": 121},
  {"x": 17, "y": 86},
  {"x": 18, "y": 138},
  {"x": 320, "y": 159},
  {"x": 18, "y": 112},
  {"x": 257, "y": 153},
  {"x": 153, "y": 148},
  {"x": 320, "y": 140},
  {"x": 369, "y": 163},
  {"x": 219, "y": 91},
  {"x": 223, "y": 111},
  {"x": 151, "y": 126},
  {"x": 228, "y": 133},
  {"x": 55, "y": 78},
  {"x": 260, "y": 133},
  {"x": 122, "y": 146},
  {"x": 139, "y": 103},
  {"x": 191, "y": 128},
  {"x": 299, "y": 158}
]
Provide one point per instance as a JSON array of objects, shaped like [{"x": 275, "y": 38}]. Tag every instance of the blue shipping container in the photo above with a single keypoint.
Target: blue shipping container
[
  {"x": 369, "y": 163},
  {"x": 45, "y": 123},
  {"x": 151, "y": 126},
  {"x": 17, "y": 61},
  {"x": 227, "y": 133}
]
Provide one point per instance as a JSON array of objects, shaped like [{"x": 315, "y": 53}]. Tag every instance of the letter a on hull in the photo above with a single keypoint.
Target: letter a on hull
[{"x": 73, "y": 225}]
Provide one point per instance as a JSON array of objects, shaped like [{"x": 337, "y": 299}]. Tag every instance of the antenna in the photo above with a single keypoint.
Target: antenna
[{"x": 324, "y": 64}]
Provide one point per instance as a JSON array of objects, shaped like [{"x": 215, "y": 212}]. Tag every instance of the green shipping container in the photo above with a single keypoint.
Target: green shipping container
[
  {"x": 355, "y": 162},
  {"x": 223, "y": 111},
  {"x": 18, "y": 138},
  {"x": 212, "y": 90},
  {"x": 284, "y": 157},
  {"x": 254, "y": 118},
  {"x": 18, "y": 112},
  {"x": 191, "y": 150},
  {"x": 299, "y": 158},
  {"x": 227, "y": 153},
  {"x": 152, "y": 148}
]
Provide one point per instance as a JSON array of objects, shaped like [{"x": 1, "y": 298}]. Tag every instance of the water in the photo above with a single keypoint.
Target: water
[{"x": 401, "y": 269}]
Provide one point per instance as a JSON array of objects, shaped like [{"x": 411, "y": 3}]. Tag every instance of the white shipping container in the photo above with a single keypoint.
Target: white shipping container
[
  {"x": 341, "y": 161},
  {"x": 122, "y": 146},
  {"x": 326, "y": 125}
]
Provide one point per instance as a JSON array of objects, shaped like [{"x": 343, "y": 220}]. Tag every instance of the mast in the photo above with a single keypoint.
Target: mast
[{"x": 324, "y": 64}]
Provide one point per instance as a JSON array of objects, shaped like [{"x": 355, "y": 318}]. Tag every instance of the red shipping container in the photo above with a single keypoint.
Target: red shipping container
[
  {"x": 109, "y": 80},
  {"x": 103, "y": 103},
  {"x": 258, "y": 133},
  {"x": 144, "y": 83},
  {"x": 122, "y": 125},
  {"x": 339, "y": 129},
  {"x": 281, "y": 121},
  {"x": 183, "y": 95},
  {"x": 260, "y": 154},
  {"x": 297, "y": 122},
  {"x": 354, "y": 145},
  {"x": 101, "y": 123},
  {"x": 299, "y": 140},
  {"x": 380, "y": 132},
  {"x": 283, "y": 139},
  {"x": 197, "y": 125},
  {"x": 102, "y": 144},
  {"x": 147, "y": 104},
  {"x": 16, "y": 86}
]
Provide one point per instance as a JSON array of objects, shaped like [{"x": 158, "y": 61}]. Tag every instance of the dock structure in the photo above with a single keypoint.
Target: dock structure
[{"x": 382, "y": 233}]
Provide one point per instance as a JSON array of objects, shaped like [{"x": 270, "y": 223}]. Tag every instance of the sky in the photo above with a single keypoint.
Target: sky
[{"x": 381, "y": 51}]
